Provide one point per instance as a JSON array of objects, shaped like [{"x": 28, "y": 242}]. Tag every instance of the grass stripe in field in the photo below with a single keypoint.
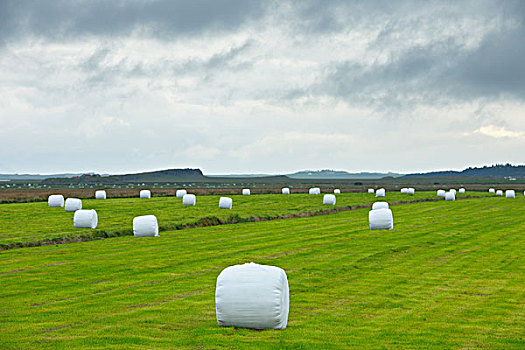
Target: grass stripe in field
[
  {"x": 26, "y": 224},
  {"x": 450, "y": 275}
]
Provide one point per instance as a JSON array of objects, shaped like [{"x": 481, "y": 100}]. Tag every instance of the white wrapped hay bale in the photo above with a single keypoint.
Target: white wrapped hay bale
[
  {"x": 145, "y": 194},
  {"x": 180, "y": 193},
  {"x": 189, "y": 199},
  {"x": 450, "y": 196},
  {"x": 441, "y": 193},
  {"x": 461, "y": 190},
  {"x": 491, "y": 190},
  {"x": 380, "y": 205},
  {"x": 314, "y": 190},
  {"x": 145, "y": 226},
  {"x": 411, "y": 190},
  {"x": 381, "y": 219},
  {"x": 380, "y": 192},
  {"x": 246, "y": 192},
  {"x": 73, "y": 204},
  {"x": 404, "y": 190},
  {"x": 100, "y": 194},
  {"x": 329, "y": 199},
  {"x": 371, "y": 190},
  {"x": 225, "y": 203},
  {"x": 453, "y": 191},
  {"x": 499, "y": 193},
  {"x": 85, "y": 218},
  {"x": 285, "y": 190},
  {"x": 337, "y": 191},
  {"x": 510, "y": 194},
  {"x": 252, "y": 296},
  {"x": 55, "y": 200}
]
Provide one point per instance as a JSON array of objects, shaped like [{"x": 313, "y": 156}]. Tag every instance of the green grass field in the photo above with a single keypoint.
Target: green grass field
[
  {"x": 33, "y": 222},
  {"x": 450, "y": 275}
]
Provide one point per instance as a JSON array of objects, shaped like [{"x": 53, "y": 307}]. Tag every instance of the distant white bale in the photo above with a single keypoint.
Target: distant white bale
[
  {"x": 371, "y": 190},
  {"x": 380, "y": 205},
  {"x": 450, "y": 196},
  {"x": 55, "y": 200},
  {"x": 145, "y": 226},
  {"x": 329, "y": 199},
  {"x": 225, "y": 203},
  {"x": 181, "y": 193},
  {"x": 461, "y": 190},
  {"x": 404, "y": 190},
  {"x": 441, "y": 193},
  {"x": 380, "y": 192},
  {"x": 381, "y": 219},
  {"x": 189, "y": 199},
  {"x": 145, "y": 194},
  {"x": 314, "y": 190},
  {"x": 411, "y": 190},
  {"x": 73, "y": 204},
  {"x": 453, "y": 191},
  {"x": 252, "y": 296},
  {"x": 86, "y": 218},
  {"x": 510, "y": 194},
  {"x": 285, "y": 190},
  {"x": 491, "y": 190},
  {"x": 246, "y": 192},
  {"x": 337, "y": 191},
  {"x": 499, "y": 193},
  {"x": 100, "y": 194}
]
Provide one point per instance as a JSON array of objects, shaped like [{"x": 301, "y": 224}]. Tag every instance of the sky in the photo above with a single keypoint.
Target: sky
[{"x": 241, "y": 86}]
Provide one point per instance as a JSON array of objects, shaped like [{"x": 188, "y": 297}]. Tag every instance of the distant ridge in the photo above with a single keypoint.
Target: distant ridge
[
  {"x": 339, "y": 174},
  {"x": 498, "y": 171}
]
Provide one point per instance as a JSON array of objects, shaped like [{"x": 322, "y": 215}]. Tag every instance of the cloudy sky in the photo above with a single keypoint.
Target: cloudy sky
[{"x": 239, "y": 86}]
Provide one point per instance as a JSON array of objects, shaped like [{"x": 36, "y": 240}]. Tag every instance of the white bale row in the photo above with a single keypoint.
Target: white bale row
[
  {"x": 246, "y": 192},
  {"x": 380, "y": 192},
  {"x": 146, "y": 194},
  {"x": 380, "y": 205},
  {"x": 329, "y": 199},
  {"x": 180, "y": 193},
  {"x": 225, "y": 203},
  {"x": 461, "y": 190},
  {"x": 337, "y": 191},
  {"x": 252, "y": 296},
  {"x": 450, "y": 196},
  {"x": 510, "y": 194},
  {"x": 381, "y": 219},
  {"x": 314, "y": 190},
  {"x": 145, "y": 226},
  {"x": 55, "y": 200},
  {"x": 371, "y": 190},
  {"x": 491, "y": 190},
  {"x": 453, "y": 191},
  {"x": 86, "y": 218},
  {"x": 100, "y": 194},
  {"x": 499, "y": 193},
  {"x": 441, "y": 193},
  {"x": 285, "y": 190},
  {"x": 189, "y": 199},
  {"x": 73, "y": 204}
]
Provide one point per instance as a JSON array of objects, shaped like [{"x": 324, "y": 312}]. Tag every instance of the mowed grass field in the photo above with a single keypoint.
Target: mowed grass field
[
  {"x": 450, "y": 275},
  {"x": 33, "y": 222}
]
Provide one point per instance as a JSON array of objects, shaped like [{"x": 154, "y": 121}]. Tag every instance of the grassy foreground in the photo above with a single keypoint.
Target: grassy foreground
[
  {"x": 23, "y": 223},
  {"x": 450, "y": 275}
]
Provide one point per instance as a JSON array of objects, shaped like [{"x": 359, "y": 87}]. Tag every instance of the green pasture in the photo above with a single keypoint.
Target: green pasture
[
  {"x": 449, "y": 276},
  {"x": 34, "y": 222}
]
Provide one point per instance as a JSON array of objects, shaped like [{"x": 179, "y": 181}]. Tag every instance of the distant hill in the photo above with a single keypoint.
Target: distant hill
[
  {"x": 338, "y": 174},
  {"x": 15, "y": 177},
  {"x": 498, "y": 171}
]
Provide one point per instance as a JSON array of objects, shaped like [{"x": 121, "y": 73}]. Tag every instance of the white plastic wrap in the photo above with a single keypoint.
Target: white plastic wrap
[
  {"x": 380, "y": 205},
  {"x": 404, "y": 190},
  {"x": 73, "y": 204},
  {"x": 55, "y": 200},
  {"x": 380, "y": 192},
  {"x": 225, "y": 203},
  {"x": 461, "y": 190},
  {"x": 181, "y": 193},
  {"x": 499, "y": 193},
  {"x": 314, "y": 190},
  {"x": 337, "y": 191},
  {"x": 145, "y": 226},
  {"x": 285, "y": 190},
  {"x": 450, "y": 196},
  {"x": 329, "y": 199},
  {"x": 411, "y": 190},
  {"x": 246, "y": 192},
  {"x": 371, "y": 190},
  {"x": 510, "y": 194},
  {"x": 491, "y": 190},
  {"x": 453, "y": 191},
  {"x": 86, "y": 218},
  {"x": 100, "y": 194},
  {"x": 145, "y": 194},
  {"x": 381, "y": 219},
  {"x": 189, "y": 199},
  {"x": 441, "y": 193},
  {"x": 252, "y": 296}
]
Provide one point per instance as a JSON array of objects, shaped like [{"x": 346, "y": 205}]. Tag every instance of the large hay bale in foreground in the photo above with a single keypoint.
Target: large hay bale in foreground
[
  {"x": 380, "y": 192},
  {"x": 100, "y": 194},
  {"x": 246, "y": 192},
  {"x": 73, "y": 204},
  {"x": 252, "y": 296},
  {"x": 499, "y": 193},
  {"x": 441, "y": 193},
  {"x": 55, "y": 200},
  {"x": 314, "y": 190},
  {"x": 145, "y": 226},
  {"x": 381, "y": 219},
  {"x": 380, "y": 205},
  {"x": 450, "y": 196},
  {"x": 510, "y": 194},
  {"x": 225, "y": 203},
  {"x": 285, "y": 190},
  {"x": 180, "y": 193},
  {"x": 329, "y": 199},
  {"x": 371, "y": 190},
  {"x": 86, "y": 218},
  {"x": 189, "y": 199},
  {"x": 146, "y": 194}
]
